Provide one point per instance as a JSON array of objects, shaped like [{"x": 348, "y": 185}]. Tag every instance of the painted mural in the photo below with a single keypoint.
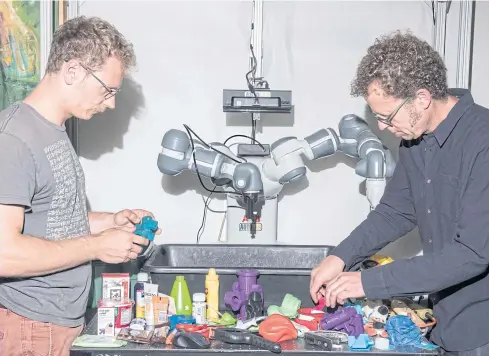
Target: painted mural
[{"x": 19, "y": 49}]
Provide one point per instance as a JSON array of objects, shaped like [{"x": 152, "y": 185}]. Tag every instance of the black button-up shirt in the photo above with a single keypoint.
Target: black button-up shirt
[{"x": 441, "y": 185}]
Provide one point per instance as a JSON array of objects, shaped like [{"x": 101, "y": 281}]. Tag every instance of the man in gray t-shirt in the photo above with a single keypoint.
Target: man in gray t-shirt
[{"x": 47, "y": 237}]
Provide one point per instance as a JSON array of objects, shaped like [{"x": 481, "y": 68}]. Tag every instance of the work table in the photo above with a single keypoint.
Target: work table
[{"x": 292, "y": 347}]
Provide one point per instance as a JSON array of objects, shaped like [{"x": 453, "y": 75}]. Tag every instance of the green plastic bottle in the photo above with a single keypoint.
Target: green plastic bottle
[{"x": 181, "y": 295}]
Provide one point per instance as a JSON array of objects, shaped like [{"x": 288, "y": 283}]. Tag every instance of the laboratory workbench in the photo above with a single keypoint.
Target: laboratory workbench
[{"x": 292, "y": 347}]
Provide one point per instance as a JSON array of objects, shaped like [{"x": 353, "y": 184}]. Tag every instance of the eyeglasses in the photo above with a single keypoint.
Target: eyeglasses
[
  {"x": 388, "y": 120},
  {"x": 110, "y": 91}
]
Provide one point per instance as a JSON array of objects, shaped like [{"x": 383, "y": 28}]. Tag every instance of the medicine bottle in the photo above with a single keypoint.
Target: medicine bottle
[
  {"x": 199, "y": 308},
  {"x": 142, "y": 278}
]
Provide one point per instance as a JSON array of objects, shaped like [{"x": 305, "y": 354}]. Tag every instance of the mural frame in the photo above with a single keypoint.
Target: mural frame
[
  {"x": 26, "y": 31},
  {"x": 46, "y": 31}
]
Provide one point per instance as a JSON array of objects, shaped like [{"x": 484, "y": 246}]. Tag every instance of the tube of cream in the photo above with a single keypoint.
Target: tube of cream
[
  {"x": 150, "y": 290},
  {"x": 160, "y": 308}
]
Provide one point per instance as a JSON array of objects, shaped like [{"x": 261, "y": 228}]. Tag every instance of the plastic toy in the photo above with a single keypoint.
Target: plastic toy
[
  {"x": 237, "y": 298},
  {"x": 180, "y": 319},
  {"x": 360, "y": 343},
  {"x": 254, "y": 306},
  {"x": 345, "y": 319},
  {"x": 277, "y": 328},
  {"x": 243, "y": 337},
  {"x": 289, "y": 308},
  {"x": 147, "y": 228}
]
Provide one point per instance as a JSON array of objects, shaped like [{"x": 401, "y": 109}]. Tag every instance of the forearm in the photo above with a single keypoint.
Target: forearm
[
  {"x": 100, "y": 221},
  {"x": 27, "y": 256},
  {"x": 382, "y": 226},
  {"x": 425, "y": 274}
]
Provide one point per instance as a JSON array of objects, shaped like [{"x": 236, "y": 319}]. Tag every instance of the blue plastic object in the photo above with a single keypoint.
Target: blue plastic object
[
  {"x": 360, "y": 343},
  {"x": 147, "y": 228},
  {"x": 180, "y": 319},
  {"x": 403, "y": 332}
]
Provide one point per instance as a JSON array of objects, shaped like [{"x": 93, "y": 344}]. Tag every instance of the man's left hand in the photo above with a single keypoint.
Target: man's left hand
[
  {"x": 345, "y": 285},
  {"x": 129, "y": 218}
]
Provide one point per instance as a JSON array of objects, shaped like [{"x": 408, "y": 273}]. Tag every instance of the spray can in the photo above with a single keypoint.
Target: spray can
[
  {"x": 212, "y": 294},
  {"x": 139, "y": 293}
]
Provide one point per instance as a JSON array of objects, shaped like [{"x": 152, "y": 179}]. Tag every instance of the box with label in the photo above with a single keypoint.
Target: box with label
[
  {"x": 115, "y": 286},
  {"x": 106, "y": 321}
]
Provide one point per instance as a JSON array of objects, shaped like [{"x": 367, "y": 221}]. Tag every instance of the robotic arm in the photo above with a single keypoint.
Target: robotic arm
[
  {"x": 259, "y": 178},
  {"x": 216, "y": 162},
  {"x": 355, "y": 139}
]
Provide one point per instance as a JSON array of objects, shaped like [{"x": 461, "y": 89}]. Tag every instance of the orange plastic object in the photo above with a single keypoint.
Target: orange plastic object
[
  {"x": 370, "y": 331},
  {"x": 277, "y": 328},
  {"x": 201, "y": 329}
]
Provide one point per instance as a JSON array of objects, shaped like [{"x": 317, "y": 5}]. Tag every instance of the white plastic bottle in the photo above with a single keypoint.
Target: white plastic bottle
[{"x": 199, "y": 308}]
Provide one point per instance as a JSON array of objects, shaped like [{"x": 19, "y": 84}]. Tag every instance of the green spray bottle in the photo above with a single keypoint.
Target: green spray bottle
[{"x": 181, "y": 295}]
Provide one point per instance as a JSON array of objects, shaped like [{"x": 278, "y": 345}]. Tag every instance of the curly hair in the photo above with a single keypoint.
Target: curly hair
[
  {"x": 92, "y": 41},
  {"x": 403, "y": 64}
]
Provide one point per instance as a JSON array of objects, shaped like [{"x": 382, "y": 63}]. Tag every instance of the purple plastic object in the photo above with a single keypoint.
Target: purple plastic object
[
  {"x": 346, "y": 319},
  {"x": 237, "y": 297}
]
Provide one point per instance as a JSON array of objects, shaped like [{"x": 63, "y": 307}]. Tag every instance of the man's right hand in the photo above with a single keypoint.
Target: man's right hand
[
  {"x": 117, "y": 245},
  {"x": 323, "y": 273}
]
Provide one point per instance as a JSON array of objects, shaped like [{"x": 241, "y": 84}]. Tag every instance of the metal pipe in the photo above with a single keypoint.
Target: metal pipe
[
  {"x": 257, "y": 46},
  {"x": 440, "y": 12},
  {"x": 257, "y": 37},
  {"x": 464, "y": 51}
]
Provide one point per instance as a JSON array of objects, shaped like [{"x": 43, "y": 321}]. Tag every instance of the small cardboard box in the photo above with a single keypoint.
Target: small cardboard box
[
  {"x": 115, "y": 286},
  {"x": 106, "y": 321}
]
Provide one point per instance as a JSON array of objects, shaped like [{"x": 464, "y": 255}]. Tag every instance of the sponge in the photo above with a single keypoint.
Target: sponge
[{"x": 147, "y": 228}]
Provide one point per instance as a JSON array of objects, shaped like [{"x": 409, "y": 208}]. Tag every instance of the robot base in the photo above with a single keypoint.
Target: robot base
[{"x": 238, "y": 227}]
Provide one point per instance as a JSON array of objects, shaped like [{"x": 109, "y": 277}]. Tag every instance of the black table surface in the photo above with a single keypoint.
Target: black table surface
[{"x": 292, "y": 347}]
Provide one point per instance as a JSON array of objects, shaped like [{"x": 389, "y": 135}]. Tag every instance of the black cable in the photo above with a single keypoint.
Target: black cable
[
  {"x": 221, "y": 211},
  {"x": 195, "y": 163},
  {"x": 200, "y": 232},
  {"x": 207, "y": 145},
  {"x": 202, "y": 225},
  {"x": 245, "y": 136},
  {"x": 251, "y": 86}
]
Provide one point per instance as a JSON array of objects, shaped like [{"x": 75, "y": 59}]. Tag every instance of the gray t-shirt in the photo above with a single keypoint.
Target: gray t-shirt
[{"x": 40, "y": 170}]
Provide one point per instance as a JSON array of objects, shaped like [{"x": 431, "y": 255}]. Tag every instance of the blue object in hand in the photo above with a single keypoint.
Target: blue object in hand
[{"x": 147, "y": 228}]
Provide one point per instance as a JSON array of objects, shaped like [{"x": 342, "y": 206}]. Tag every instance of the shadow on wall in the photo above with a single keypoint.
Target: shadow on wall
[{"x": 105, "y": 131}]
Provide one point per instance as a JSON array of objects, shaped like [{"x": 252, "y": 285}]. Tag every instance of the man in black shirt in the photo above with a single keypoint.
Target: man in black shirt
[{"x": 440, "y": 184}]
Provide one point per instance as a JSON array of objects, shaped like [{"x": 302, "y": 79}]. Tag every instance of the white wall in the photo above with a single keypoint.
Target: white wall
[
  {"x": 188, "y": 52},
  {"x": 480, "y": 64}
]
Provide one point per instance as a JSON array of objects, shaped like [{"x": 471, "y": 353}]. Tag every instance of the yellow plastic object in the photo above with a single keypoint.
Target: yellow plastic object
[
  {"x": 212, "y": 294},
  {"x": 381, "y": 259}
]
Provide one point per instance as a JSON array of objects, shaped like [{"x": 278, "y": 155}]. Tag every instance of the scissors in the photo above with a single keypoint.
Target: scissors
[{"x": 238, "y": 336}]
